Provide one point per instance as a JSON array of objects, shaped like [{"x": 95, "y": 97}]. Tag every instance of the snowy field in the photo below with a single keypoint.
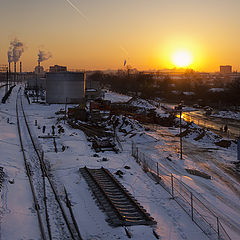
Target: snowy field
[
  {"x": 227, "y": 115},
  {"x": 116, "y": 97},
  {"x": 18, "y": 218}
]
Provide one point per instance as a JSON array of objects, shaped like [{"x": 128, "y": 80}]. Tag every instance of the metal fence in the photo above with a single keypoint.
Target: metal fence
[{"x": 200, "y": 214}]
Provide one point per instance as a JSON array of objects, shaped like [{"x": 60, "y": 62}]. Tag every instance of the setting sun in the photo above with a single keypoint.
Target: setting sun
[{"x": 182, "y": 58}]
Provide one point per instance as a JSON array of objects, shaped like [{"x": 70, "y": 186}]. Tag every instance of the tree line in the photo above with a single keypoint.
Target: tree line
[{"x": 189, "y": 88}]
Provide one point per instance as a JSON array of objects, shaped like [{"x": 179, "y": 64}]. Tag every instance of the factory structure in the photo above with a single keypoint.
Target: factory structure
[
  {"x": 63, "y": 86},
  {"x": 57, "y": 68},
  {"x": 58, "y": 85}
]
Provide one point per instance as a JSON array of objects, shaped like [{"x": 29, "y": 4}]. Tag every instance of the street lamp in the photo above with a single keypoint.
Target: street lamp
[{"x": 179, "y": 108}]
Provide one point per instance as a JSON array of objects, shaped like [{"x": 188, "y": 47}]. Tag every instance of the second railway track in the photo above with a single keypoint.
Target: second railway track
[
  {"x": 120, "y": 206},
  {"x": 55, "y": 221}
]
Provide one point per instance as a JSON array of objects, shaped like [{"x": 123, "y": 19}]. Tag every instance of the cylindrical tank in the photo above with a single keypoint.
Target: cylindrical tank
[{"x": 65, "y": 87}]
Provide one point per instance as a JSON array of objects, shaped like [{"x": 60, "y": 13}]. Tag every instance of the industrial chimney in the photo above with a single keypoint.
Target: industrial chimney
[
  {"x": 15, "y": 71},
  {"x": 38, "y": 66},
  {"x": 9, "y": 67},
  {"x": 20, "y": 67}
]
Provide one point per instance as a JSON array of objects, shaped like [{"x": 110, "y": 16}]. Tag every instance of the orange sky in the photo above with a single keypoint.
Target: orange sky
[{"x": 83, "y": 34}]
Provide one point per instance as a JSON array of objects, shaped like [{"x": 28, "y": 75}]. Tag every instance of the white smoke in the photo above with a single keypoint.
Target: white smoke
[
  {"x": 43, "y": 56},
  {"x": 15, "y": 50},
  {"x": 10, "y": 56}
]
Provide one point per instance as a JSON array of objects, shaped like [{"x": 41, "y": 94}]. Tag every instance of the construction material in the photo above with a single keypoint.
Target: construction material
[{"x": 120, "y": 206}]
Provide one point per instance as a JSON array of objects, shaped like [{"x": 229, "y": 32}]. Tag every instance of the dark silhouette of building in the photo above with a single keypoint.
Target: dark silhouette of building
[
  {"x": 225, "y": 69},
  {"x": 57, "y": 68}
]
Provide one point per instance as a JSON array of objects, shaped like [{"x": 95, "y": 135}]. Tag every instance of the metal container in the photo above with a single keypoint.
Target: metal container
[{"x": 65, "y": 87}]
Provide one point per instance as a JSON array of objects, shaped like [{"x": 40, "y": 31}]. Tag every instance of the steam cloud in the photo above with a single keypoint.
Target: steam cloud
[
  {"x": 15, "y": 50},
  {"x": 10, "y": 56},
  {"x": 43, "y": 56}
]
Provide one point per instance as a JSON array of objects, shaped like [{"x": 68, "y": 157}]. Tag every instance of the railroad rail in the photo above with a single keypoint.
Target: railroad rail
[
  {"x": 120, "y": 206},
  {"x": 3, "y": 85},
  {"x": 43, "y": 224}
]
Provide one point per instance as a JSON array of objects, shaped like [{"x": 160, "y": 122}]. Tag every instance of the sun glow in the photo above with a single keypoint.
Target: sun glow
[{"x": 182, "y": 58}]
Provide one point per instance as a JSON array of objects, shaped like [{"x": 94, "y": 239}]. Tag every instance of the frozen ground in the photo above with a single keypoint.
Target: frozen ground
[
  {"x": 117, "y": 97},
  {"x": 227, "y": 115},
  {"x": 19, "y": 220}
]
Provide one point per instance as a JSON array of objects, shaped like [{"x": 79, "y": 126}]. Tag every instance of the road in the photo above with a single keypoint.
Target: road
[{"x": 214, "y": 123}]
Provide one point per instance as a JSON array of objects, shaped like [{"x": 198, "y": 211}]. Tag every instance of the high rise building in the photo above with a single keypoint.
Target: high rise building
[{"x": 225, "y": 69}]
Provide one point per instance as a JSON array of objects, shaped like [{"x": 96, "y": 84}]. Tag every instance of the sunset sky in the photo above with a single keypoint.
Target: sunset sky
[{"x": 101, "y": 34}]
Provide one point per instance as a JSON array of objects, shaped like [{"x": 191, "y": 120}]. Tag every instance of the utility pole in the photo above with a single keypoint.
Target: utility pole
[
  {"x": 181, "y": 133},
  {"x": 179, "y": 108}
]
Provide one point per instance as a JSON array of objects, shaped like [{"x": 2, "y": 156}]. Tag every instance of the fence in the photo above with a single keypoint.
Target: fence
[{"x": 200, "y": 214}]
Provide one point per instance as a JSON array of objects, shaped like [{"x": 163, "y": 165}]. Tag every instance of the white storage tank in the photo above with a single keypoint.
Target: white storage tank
[{"x": 65, "y": 87}]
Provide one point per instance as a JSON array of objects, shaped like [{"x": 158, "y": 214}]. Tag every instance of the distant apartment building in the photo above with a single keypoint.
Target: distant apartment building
[
  {"x": 225, "y": 69},
  {"x": 57, "y": 68}
]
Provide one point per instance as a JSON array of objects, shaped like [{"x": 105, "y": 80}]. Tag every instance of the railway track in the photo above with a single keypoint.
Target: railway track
[
  {"x": 54, "y": 221},
  {"x": 120, "y": 206}
]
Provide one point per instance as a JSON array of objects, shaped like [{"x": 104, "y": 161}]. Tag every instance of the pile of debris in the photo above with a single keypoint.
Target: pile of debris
[
  {"x": 142, "y": 111},
  {"x": 104, "y": 144},
  {"x": 194, "y": 132}
]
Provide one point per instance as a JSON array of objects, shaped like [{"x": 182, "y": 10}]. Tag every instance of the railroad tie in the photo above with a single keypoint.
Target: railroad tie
[{"x": 120, "y": 206}]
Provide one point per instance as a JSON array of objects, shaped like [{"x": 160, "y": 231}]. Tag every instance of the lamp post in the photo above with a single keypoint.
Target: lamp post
[
  {"x": 181, "y": 132},
  {"x": 179, "y": 108}
]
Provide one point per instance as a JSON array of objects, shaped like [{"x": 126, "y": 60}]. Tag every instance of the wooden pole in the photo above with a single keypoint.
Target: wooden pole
[{"x": 181, "y": 135}]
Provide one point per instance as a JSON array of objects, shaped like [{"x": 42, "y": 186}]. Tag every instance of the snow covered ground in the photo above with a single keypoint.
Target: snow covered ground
[
  {"x": 227, "y": 115},
  {"x": 116, "y": 97},
  {"x": 18, "y": 218}
]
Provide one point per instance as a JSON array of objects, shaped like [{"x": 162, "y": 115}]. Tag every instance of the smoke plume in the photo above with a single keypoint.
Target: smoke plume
[
  {"x": 15, "y": 50},
  {"x": 43, "y": 56},
  {"x": 10, "y": 56}
]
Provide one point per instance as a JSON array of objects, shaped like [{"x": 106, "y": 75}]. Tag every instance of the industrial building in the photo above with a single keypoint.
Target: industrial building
[
  {"x": 57, "y": 68},
  {"x": 226, "y": 69},
  {"x": 39, "y": 70},
  {"x": 65, "y": 87}
]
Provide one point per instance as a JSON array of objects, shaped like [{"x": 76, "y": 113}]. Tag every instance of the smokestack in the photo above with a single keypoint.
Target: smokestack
[
  {"x": 38, "y": 66},
  {"x": 9, "y": 67},
  {"x": 20, "y": 67},
  {"x": 43, "y": 56},
  {"x": 15, "y": 71}
]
